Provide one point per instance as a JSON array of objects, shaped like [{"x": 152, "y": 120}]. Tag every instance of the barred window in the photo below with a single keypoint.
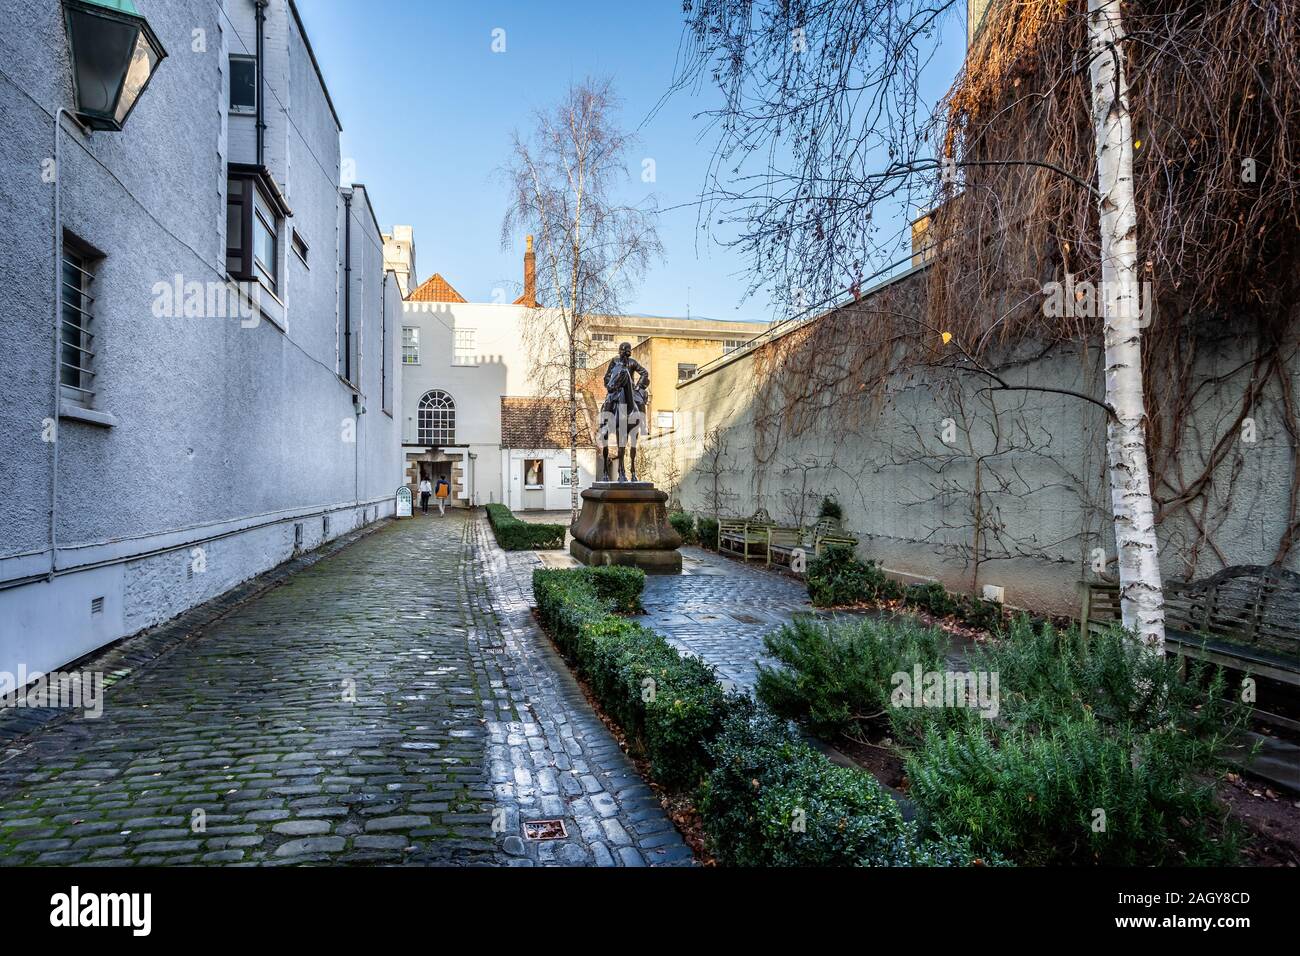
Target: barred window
[
  {"x": 76, "y": 358},
  {"x": 436, "y": 424}
]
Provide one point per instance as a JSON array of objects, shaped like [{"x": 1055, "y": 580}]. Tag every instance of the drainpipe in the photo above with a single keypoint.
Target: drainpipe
[
  {"x": 383, "y": 339},
  {"x": 58, "y": 337},
  {"x": 347, "y": 285},
  {"x": 261, "y": 82}
]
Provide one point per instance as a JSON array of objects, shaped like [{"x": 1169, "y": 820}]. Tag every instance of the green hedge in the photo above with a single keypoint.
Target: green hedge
[
  {"x": 1087, "y": 726},
  {"x": 515, "y": 535},
  {"x": 837, "y": 577},
  {"x": 755, "y": 772},
  {"x": 667, "y": 704},
  {"x": 772, "y": 800},
  {"x": 707, "y": 528},
  {"x": 836, "y": 677},
  {"x": 683, "y": 524},
  {"x": 1099, "y": 752}
]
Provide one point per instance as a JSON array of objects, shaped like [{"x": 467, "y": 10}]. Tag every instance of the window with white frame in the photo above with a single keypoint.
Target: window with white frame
[
  {"x": 731, "y": 345},
  {"x": 686, "y": 371},
  {"x": 464, "y": 351},
  {"x": 602, "y": 340},
  {"x": 436, "y": 422},
  {"x": 410, "y": 345},
  {"x": 76, "y": 358}
]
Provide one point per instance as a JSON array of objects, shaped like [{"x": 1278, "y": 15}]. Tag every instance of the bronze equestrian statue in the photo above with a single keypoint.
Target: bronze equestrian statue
[{"x": 622, "y": 416}]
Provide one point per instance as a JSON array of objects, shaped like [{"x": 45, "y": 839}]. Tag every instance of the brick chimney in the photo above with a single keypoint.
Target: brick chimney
[{"x": 529, "y": 298}]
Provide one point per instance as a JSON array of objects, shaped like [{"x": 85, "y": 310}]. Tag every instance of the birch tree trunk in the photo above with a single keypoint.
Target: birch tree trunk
[
  {"x": 573, "y": 432},
  {"x": 1141, "y": 596}
]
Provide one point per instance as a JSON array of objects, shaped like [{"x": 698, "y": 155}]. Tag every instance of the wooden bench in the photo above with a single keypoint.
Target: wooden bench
[
  {"x": 782, "y": 543},
  {"x": 823, "y": 533},
  {"x": 744, "y": 537},
  {"x": 834, "y": 540},
  {"x": 1246, "y": 618}
]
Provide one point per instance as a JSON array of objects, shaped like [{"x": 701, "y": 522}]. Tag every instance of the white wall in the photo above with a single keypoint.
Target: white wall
[
  {"x": 555, "y": 496},
  {"x": 501, "y": 365},
  {"x": 211, "y": 433}
]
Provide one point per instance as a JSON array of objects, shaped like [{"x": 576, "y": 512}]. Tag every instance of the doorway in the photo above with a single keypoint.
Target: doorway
[{"x": 432, "y": 470}]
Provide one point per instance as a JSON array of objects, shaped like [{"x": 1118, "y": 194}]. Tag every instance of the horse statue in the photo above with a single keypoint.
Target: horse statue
[{"x": 622, "y": 415}]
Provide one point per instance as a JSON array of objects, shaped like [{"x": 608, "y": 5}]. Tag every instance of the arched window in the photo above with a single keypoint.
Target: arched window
[{"x": 436, "y": 424}]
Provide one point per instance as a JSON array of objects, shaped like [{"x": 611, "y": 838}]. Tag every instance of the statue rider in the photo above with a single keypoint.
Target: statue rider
[{"x": 622, "y": 416}]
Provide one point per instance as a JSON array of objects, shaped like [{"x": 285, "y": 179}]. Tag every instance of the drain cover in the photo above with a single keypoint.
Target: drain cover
[{"x": 545, "y": 830}]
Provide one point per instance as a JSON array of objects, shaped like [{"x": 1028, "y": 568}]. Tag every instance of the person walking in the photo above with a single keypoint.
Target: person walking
[
  {"x": 425, "y": 490},
  {"x": 442, "y": 493}
]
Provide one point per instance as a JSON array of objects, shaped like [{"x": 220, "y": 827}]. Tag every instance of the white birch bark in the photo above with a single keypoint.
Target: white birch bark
[{"x": 1141, "y": 595}]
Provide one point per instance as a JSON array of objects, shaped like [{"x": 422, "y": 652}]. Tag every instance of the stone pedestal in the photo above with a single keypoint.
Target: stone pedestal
[{"x": 626, "y": 522}]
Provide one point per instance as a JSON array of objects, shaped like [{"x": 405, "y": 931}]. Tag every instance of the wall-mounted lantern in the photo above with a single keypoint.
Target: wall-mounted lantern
[{"x": 114, "y": 55}]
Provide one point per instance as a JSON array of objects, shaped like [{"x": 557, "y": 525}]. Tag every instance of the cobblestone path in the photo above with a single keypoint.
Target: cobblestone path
[
  {"x": 719, "y": 610},
  {"x": 372, "y": 709}
]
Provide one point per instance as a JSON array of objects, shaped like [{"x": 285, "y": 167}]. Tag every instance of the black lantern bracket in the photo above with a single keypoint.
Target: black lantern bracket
[{"x": 115, "y": 54}]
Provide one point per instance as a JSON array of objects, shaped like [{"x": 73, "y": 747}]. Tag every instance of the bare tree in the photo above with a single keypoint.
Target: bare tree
[
  {"x": 827, "y": 99},
  {"x": 592, "y": 248},
  {"x": 714, "y": 465},
  {"x": 798, "y": 504}
]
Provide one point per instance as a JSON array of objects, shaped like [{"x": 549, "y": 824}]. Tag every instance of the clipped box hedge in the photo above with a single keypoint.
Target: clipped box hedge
[
  {"x": 684, "y": 525},
  {"x": 767, "y": 797},
  {"x": 515, "y": 535},
  {"x": 707, "y": 529},
  {"x": 772, "y": 800},
  {"x": 668, "y": 704}
]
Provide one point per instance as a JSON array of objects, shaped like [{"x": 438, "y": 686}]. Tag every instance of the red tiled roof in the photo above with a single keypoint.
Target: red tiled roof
[
  {"x": 435, "y": 289},
  {"x": 540, "y": 423}
]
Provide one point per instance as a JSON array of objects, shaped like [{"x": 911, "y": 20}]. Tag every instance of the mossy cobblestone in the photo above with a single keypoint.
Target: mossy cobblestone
[{"x": 371, "y": 707}]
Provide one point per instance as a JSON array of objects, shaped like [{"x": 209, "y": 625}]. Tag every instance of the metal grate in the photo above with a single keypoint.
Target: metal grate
[
  {"x": 76, "y": 357},
  {"x": 97, "y": 605},
  {"x": 545, "y": 830}
]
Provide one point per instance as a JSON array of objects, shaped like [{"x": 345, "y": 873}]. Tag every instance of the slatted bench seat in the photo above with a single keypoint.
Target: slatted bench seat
[
  {"x": 744, "y": 537},
  {"x": 1245, "y": 617},
  {"x": 823, "y": 533},
  {"x": 782, "y": 543},
  {"x": 834, "y": 540}
]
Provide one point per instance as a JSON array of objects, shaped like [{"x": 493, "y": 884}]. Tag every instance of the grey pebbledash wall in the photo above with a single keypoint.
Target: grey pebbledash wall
[
  {"x": 222, "y": 446},
  {"x": 909, "y": 496}
]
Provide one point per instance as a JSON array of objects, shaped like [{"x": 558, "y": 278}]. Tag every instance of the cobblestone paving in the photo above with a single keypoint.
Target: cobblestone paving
[
  {"x": 371, "y": 709},
  {"x": 719, "y": 610},
  {"x": 558, "y": 760}
]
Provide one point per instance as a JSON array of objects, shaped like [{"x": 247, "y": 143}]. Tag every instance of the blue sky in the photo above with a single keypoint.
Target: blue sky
[{"x": 428, "y": 158}]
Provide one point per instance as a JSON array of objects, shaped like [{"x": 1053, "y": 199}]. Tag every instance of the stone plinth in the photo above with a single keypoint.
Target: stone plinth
[{"x": 626, "y": 522}]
